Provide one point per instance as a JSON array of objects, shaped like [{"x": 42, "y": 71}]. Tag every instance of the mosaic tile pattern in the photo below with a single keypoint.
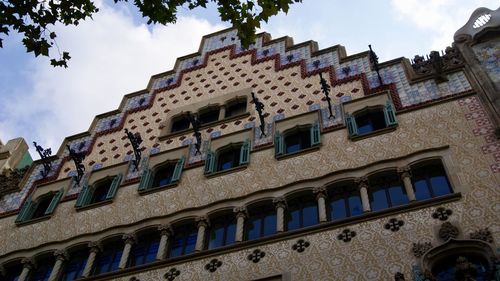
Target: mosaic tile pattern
[{"x": 488, "y": 55}]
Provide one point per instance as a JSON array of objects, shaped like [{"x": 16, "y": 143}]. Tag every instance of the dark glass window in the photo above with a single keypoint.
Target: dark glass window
[
  {"x": 42, "y": 270},
  {"x": 445, "y": 269},
  {"x": 261, "y": 222},
  {"x": 297, "y": 140},
  {"x": 236, "y": 108},
  {"x": 180, "y": 124},
  {"x": 345, "y": 201},
  {"x": 222, "y": 231},
  {"x": 163, "y": 176},
  {"x": 101, "y": 190},
  {"x": 73, "y": 268},
  {"x": 184, "y": 240},
  {"x": 210, "y": 115},
  {"x": 302, "y": 212},
  {"x": 13, "y": 272},
  {"x": 228, "y": 158},
  {"x": 386, "y": 191},
  {"x": 430, "y": 181},
  {"x": 41, "y": 206},
  {"x": 370, "y": 121},
  {"x": 109, "y": 259},
  {"x": 144, "y": 251}
]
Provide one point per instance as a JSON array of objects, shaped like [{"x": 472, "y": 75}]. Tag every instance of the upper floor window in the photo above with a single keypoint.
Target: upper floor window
[
  {"x": 386, "y": 191},
  {"x": 145, "y": 249},
  {"x": 261, "y": 222},
  {"x": 430, "y": 181},
  {"x": 228, "y": 157},
  {"x": 222, "y": 231},
  {"x": 344, "y": 201},
  {"x": 208, "y": 115},
  {"x": 297, "y": 139},
  {"x": 236, "y": 107},
  {"x": 180, "y": 123},
  {"x": 43, "y": 269},
  {"x": 452, "y": 268},
  {"x": 13, "y": 272},
  {"x": 162, "y": 176},
  {"x": 184, "y": 240},
  {"x": 109, "y": 259},
  {"x": 102, "y": 190},
  {"x": 370, "y": 120},
  {"x": 42, "y": 206},
  {"x": 302, "y": 212},
  {"x": 73, "y": 268}
]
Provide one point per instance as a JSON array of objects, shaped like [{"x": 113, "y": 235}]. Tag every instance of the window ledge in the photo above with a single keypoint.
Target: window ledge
[
  {"x": 228, "y": 171},
  {"x": 94, "y": 205},
  {"x": 32, "y": 221},
  {"x": 296, "y": 153},
  {"x": 158, "y": 188},
  {"x": 374, "y": 133}
]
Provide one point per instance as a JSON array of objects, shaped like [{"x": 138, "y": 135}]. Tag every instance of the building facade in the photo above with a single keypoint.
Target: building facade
[{"x": 277, "y": 162}]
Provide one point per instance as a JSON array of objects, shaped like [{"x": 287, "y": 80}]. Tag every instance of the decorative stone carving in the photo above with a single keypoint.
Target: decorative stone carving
[
  {"x": 419, "y": 249},
  {"x": 346, "y": 235},
  {"x": 166, "y": 229},
  {"x": 95, "y": 247},
  {"x": 319, "y": 191},
  {"x": 28, "y": 263},
  {"x": 256, "y": 256},
  {"x": 399, "y": 276},
  {"x": 465, "y": 270},
  {"x": 240, "y": 211},
  {"x": 202, "y": 221},
  {"x": 61, "y": 255},
  {"x": 436, "y": 64},
  {"x": 394, "y": 224},
  {"x": 213, "y": 265},
  {"x": 172, "y": 273},
  {"x": 300, "y": 246},
  {"x": 448, "y": 231},
  {"x": 10, "y": 182},
  {"x": 129, "y": 238},
  {"x": 442, "y": 214},
  {"x": 404, "y": 172},
  {"x": 279, "y": 202},
  {"x": 482, "y": 234}
]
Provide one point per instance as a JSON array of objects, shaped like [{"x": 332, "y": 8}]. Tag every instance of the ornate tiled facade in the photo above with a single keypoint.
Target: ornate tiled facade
[{"x": 441, "y": 113}]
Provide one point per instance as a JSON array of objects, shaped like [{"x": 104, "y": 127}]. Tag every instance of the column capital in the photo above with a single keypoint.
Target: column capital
[
  {"x": 320, "y": 192},
  {"x": 61, "y": 255},
  {"x": 280, "y": 202},
  {"x": 202, "y": 221},
  {"x": 404, "y": 172},
  {"x": 166, "y": 229},
  {"x": 28, "y": 263},
  {"x": 95, "y": 247},
  {"x": 241, "y": 211},
  {"x": 129, "y": 238},
  {"x": 361, "y": 182}
]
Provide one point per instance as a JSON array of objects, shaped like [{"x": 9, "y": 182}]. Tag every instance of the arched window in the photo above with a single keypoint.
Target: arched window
[
  {"x": 109, "y": 259},
  {"x": 228, "y": 157},
  {"x": 430, "y": 181},
  {"x": 162, "y": 176},
  {"x": 236, "y": 107},
  {"x": 13, "y": 271},
  {"x": 180, "y": 123},
  {"x": 145, "y": 249},
  {"x": 461, "y": 267},
  {"x": 73, "y": 268},
  {"x": 344, "y": 201},
  {"x": 41, "y": 207},
  {"x": 297, "y": 139},
  {"x": 184, "y": 240},
  {"x": 222, "y": 231},
  {"x": 371, "y": 120},
  {"x": 43, "y": 268},
  {"x": 209, "y": 115},
  {"x": 102, "y": 190},
  {"x": 301, "y": 212},
  {"x": 386, "y": 191},
  {"x": 261, "y": 221}
]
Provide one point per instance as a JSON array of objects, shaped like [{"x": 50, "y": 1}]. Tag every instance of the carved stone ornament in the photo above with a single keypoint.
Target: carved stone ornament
[
  {"x": 482, "y": 234},
  {"x": 300, "y": 245},
  {"x": 129, "y": 238},
  {"x": 320, "y": 191},
  {"x": 448, "y": 231},
  {"x": 435, "y": 64},
  {"x": 61, "y": 255},
  {"x": 172, "y": 273},
  {"x": 346, "y": 235},
  {"x": 10, "y": 182},
  {"x": 465, "y": 270},
  {"x": 213, "y": 265},
  {"x": 256, "y": 255},
  {"x": 240, "y": 212},
  {"x": 419, "y": 249},
  {"x": 394, "y": 224},
  {"x": 279, "y": 202},
  {"x": 442, "y": 214}
]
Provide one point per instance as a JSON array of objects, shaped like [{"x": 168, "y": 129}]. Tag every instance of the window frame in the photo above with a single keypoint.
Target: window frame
[
  {"x": 184, "y": 231},
  {"x": 302, "y": 202},
  {"x": 344, "y": 191},
  {"x": 235, "y": 102},
  {"x": 427, "y": 178},
  {"x": 148, "y": 240},
  {"x": 225, "y": 221},
  {"x": 260, "y": 212},
  {"x": 376, "y": 185},
  {"x": 30, "y": 206},
  {"x": 86, "y": 194},
  {"x": 179, "y": 117},
  {"x": 212, "y": 163},
  {"x": 390, "y": 119},
  {"x": 148, "y": 176},
  {"x": 81, "y": 256},
  {"x": 280, "y": 139}
]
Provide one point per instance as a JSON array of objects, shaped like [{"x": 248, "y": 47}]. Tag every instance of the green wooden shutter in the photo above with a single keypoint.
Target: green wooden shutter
[
  {"x": 55, "y": 200},
  {"x": 350, "y": 122},
  {"x": 178, "y": 169},
  {"x": 245, "y": 152},
  {"x": 114, "y": 186},
  {"x": 82, "y": 199},
  {"x": 209, "y": 162},
  {"x": 315, "y": 134},
  {"x": 278, "y": 143},
  {"x": 389, "y": 114},
  {"x": 144, "y": 184},
  {"x": 25, "y": 211}
]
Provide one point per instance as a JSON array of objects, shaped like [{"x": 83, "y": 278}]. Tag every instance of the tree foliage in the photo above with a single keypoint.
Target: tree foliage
[{"x": 35, "y": 19}]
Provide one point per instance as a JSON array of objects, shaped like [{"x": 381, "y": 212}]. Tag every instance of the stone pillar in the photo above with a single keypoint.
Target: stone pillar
[
  {"x": 406, "y": 177},
  {"x": 363, "y": 191},
  {"x": 222, "y": 112},
  {"x": 280, "y": 204},
  {"x": 129, "y": 241},
  {"x": 95, "y": 248},
  {"x": 241, "y": 214},
  {"x": 165, "y": 234},
  {"x": 202, "y": 223},
  {"x": 61, "y": 257},
  {"x": 321, "y": 196},
  {"x": 28, "y": 265}
]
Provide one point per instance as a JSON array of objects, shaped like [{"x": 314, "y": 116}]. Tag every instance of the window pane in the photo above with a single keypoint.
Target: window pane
[
  {"x": 270, "y": 224},
  {"x": 103, "y": 262},
  {"x": 370, "y": 121},
  {"x": 310, "y": 215},
  {"x": 355, "y": 205},
  {"x": 100, "y": 191},
  {"x": 190, "y": 243},
  {"x": 163, "y": 176},
  {"x": 180, "y": 124},
  {"x": 152, "y": 250},
  {"x": 421, "y": 189},
  {"x": 379, "y": 200},
  {"x": 74, "y": 267},
  {"x": 209, "y": 116},
  {"x": 440, "y": 186},
  {"x": 116, "y": 260},
  {"x": 338, "y": 209},
  {"x": 42, "y": 206},
  {"x": 398, "y": 195},
  {"x": 297, "y": 140},
  {"x": 216, "y": 237},
  {"x": 228, "y": 158},
  {"x": 293, "y": 219},
  {"x": 231, "y": 234},
  {"x": 137, "y": 254},
  {"x": 176, "y": 248},
  {"x": 254, "y": 228},
  {"x": 236, "y": 109}
]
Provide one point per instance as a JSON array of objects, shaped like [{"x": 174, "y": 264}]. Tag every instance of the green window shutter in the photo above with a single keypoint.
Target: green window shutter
[
  {"x": 350, "y": 122},
  {"x": 389, "y": 114},
  {"x": 114, "y": 186},
  {"x": 55, "y": 200},
  {"x": 25, "y": 210},
  {"x": 315, "y": 134},
  {"x": 245, "y": 152},
  {"x": 144, "y": 184},
  {"x": 209, "y": 162},
  {"x": 178, "y": 169},
  {"x": 82, "y": 196},
  {"x": 278, "y": 143}
]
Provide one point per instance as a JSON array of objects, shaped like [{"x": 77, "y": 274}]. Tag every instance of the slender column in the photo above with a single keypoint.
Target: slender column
[
  {"x": 129, "y": 241},
  {"x": 28, "y": 265},
  {"x": 95, "y": 248},
  {"x": 406, "y": 177},
  {"x": 222, "y": 112},
  {"x": 280, "y": 204},
  {"x": 241, "y": 214},
  {"x": 61, "y": 257},
  {"x": 321, "y": 196},
  {"x": 202, "y": 223},
  {"x": 363, "y": 191},
  {"x": 165, "y": 232}
]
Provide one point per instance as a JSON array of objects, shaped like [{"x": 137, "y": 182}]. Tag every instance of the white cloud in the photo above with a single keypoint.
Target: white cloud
[{"x": 111, "y": 57}]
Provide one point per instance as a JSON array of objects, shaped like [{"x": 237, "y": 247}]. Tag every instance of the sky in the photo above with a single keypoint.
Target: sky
[{"x": 116, "y": 53}]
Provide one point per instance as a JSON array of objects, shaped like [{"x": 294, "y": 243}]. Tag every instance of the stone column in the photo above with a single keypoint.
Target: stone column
[
  {"x": 165, "y": 232},
  {"x": 129, "y": 241},
  {"x": 222, "y": 112},
  {"x": 202, "y": 223},
  {"x": 61, "y": 257},
  {"x": 28, "y": 265},
  {"x": 363, "y": 191},
  {"x": 321, "y": 196},
  {"x": 280, "y": 204},
  {"x": 406, "y": 177},
  {"x": 241, "y": 214},
  {"x": 95, "y": 248}
]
